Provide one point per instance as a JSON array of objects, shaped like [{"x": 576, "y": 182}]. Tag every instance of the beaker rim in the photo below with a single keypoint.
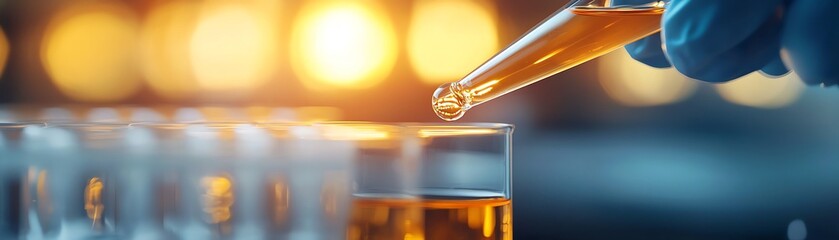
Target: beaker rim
[
  {"x": 488, "y": 125},
  {"x": 346, "y": 130},
  {"x": 87, "y": 125},
  {"x": 399, "y": 125},
  {"x": 8, "y": 125}
]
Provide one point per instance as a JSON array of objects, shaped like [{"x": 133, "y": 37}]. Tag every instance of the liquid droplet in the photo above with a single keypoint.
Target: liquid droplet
[{"x": 450, "y": 102}]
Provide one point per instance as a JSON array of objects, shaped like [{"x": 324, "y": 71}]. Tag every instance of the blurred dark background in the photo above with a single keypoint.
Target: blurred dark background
[{"x": 611, "y": 149}]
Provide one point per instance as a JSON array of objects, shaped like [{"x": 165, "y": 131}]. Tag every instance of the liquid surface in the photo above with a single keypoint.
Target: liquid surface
[
  {"x": 467, "y": 219},
  {"x": 566, "y": 39}
]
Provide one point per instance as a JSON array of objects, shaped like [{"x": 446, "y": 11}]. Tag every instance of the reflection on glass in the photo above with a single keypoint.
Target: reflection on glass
[
  {"x": 356, "y": 132},
  {"x": 282, "y": 202},
  {"x": 334, "y": 192},
  {"x": 442, "y": 132},
  {"x": 93, "y": 201},
  {"x": 217, "y": 198},
  {"x": 43, "y": 196}
]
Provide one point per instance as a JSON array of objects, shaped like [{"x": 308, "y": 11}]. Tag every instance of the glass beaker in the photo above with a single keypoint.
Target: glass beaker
[
  {"x": 434, "y": 181},
  {"x": 581, "y": 31}
]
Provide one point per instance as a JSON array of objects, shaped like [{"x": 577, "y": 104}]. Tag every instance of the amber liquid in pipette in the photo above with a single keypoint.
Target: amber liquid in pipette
[
  {"x": 474, "y": 219},
  {"x": 567, "y": 39}
]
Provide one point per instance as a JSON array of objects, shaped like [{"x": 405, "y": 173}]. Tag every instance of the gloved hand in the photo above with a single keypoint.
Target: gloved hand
[{"x": 720, "y": 40}]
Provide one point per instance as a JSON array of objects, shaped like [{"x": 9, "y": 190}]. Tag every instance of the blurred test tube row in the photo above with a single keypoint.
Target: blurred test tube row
[
  {"x": 164, "y": 181},
  {"x": 128, "y": 114},
  {"x": 65, "y": 180},
  {"x": 280, "y": 51},
  {"x": 59, "y": 178}
]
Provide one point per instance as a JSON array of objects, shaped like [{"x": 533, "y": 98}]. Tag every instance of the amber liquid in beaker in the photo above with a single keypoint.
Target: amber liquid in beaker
[
  {"x": 569, "y": 38},
  {"x": 468, "y": 219}
]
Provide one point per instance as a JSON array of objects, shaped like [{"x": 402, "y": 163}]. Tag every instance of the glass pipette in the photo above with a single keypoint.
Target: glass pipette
[{"x": 583, "y": 30}]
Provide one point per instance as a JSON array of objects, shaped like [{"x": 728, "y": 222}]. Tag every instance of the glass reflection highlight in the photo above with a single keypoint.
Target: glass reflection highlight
[
  {"x": 217, "y": 198},
  {"x": 282, "y": 202},
  {"x": 93, "y": 200}
]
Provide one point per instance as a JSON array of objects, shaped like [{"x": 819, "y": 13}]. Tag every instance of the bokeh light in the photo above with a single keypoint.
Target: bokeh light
[
  {"x": 4, "y": 51},
  {"x": 757, "y": 90},
  {"x": 342, "y": 44},
  {"x": 447, "y": 39},
  {"x": 232, "y": 47},
  {"x": 90, "y": 52},
  {"x": 165, "y": 45},
  {"x": 632, "y": 83}
]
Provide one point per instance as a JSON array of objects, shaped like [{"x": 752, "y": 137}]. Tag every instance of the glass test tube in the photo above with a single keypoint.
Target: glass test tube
[
  {"x": 68, "y": 190},
  {"x": 583, "y": 30},
  {"x": 13, "y": 166}
]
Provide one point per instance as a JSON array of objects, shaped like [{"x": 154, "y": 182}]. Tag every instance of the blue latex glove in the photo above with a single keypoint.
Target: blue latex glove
[
  {"x": 720, "y": 40},
  {"x": 811, "y": 37}
]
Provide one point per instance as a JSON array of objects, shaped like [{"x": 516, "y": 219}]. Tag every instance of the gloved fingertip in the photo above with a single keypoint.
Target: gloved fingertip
[
  {"x": 775, "y": 68},
  {"x": 649, "y": 52},
  {"x": 811, "y": 46},
  {"x": 658, "y": 61},
  {"x": 715, "y": 41}
]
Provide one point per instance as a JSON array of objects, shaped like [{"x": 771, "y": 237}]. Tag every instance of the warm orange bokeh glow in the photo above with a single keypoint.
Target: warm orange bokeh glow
[
  {"x": 632, "y": 83},
  {"x": 233, "y": 47},
  {"x": 4, "y": 50},
  {"x": 205, "y": 48},
  {"x": 342, "y": 44},
  {"x": 165, "y": 45},
  {"x": 757, "y": 90},
  {"x": 447, "y": 39},
  {"x": 90, "y": 52}
]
